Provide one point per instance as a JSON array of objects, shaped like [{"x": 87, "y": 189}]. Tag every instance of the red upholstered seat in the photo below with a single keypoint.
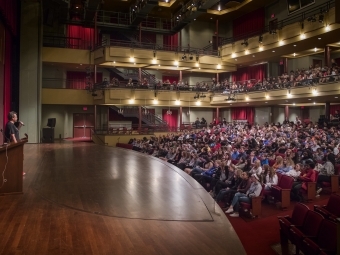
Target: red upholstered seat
[
  {"x": 331, "y": 210},
  {"x": 281, "y": 192},
  {"x": 234, "y": 161},
  {"x": 297, "y": 219},
  {"x": 255, "y": 206},
  {"x": 310, "y": 229},
  {"x": 325, "y": 241}
]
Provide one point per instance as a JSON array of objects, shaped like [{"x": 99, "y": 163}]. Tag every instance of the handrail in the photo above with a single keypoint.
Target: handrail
[
  {"x": 299, "y": 17},
  {"x": 93, "y": 133}
]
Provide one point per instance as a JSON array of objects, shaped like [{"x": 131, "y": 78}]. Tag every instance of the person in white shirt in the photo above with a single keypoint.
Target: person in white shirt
[
  {"x": 257, "y": 169},
  {"x": 270, "y": 179},
  {"x": 294, "y": 172}
]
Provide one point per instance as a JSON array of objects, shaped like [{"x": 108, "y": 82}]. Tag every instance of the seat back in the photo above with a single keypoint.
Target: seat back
[
  {"x": 333, "y": 205},
  {"x": 327, "y": 236},
  {"x": 299, "y": 214},
  {"x": 312, "y": 223},
  {"x": 337, "y": 169},
  {"x": 286, "y": 182},
  {"x": 271, "y": 162},
  {"x": 279, "y": 176}
]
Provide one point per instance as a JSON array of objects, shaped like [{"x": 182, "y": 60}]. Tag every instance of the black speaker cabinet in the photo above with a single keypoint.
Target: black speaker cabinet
[{"x": 48, "y": 135}]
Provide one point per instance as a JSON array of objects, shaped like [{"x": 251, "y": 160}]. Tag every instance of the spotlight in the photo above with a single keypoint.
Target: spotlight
[
  {"x": 321, "y": 18},
  {"x": 245, "y": 43},
  {"x": 260, "y": 38}
]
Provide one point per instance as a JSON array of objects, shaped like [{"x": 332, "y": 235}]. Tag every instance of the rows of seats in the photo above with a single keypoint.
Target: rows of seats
[{"x": 309, "y": 231}]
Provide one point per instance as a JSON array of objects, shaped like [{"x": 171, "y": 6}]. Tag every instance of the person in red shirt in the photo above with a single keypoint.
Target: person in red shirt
[{"x": 309, "y": 175}]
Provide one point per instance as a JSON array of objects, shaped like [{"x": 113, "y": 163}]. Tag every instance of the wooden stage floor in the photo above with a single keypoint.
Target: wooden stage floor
[{"x": 83, "y": 198}]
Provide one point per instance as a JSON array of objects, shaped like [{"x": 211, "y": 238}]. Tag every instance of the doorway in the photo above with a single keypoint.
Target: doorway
[{"x": 82, "y": 125}]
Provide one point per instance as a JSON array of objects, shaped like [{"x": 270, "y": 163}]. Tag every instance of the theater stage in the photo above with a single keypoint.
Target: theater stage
[{"x": 83, "y": 198}]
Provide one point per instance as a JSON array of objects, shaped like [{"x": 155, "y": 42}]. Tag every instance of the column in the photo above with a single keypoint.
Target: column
[
  {"x": 327, "y": 56},
  {"x": 286, "y": 112},
  {"x": 108, "y": 119},
  {"x": 285, "y": 65},
  {"x": 217, "y": 77},
  {"x": 140, "y": 118},
  {"x": 217, "y": 34},
  {"x": 327, "y": 110},
  {"x": 95, "y": 74},
  {"x": 180, "y": 117},
  {"x": 180, "y": 75},
  {"x": 95, "y": 31},
  {"x": 31, "y": 69},
  {"x": 95, "y": 117},
  {"x": 140, "y": 74},
  {"x": 217, "y": 115},
  {"x": 140, "y": 32}
]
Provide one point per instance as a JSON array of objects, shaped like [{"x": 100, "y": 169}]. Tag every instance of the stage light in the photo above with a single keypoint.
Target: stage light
[
  {"x": 132, "y": 59},
  {"x": 176, "y": 63}
]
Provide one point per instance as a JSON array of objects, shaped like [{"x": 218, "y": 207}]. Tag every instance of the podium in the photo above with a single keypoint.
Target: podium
[{"x": 14, "y": 168}]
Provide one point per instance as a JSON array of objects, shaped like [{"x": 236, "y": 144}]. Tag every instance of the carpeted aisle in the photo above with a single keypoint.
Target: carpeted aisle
[{"x": 259, "y": 235}]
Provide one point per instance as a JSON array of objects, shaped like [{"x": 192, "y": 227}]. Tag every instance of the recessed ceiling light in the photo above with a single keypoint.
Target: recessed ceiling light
[
  {"x": 293, "y": 103},
  {"x": 266, "y": 102},
  {"x": 309, "y": 99},
  {"x": 231, "y": 104},
  {"x": 314, "y": 103},
  {"x": 194, "y": 19},
  {"x": 294, "y": 45},
  {"x": 247, "y": 103},
  {"x": 335, "y": 97},
  {"x": 319, "y": 38},
  {"x": 211, "y": 18},
  {"x": 273, "y": 51},
  {"x": 253, "y": 56}
]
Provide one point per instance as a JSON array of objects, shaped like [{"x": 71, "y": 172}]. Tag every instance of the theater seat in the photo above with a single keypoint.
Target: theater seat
[
  {"x": 281, "y": 192},
  {"x": 310, "y": 229},
  {"x": 297, "y": 219},
  {"x": 331, "y": 210},
  {"x": 255, "y": 206},
  {"x": 325, "y": 241}
]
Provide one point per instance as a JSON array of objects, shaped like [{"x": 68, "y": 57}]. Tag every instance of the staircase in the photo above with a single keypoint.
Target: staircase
[
  {"x": 150, "y": 77},
  {"x": 133, "y": 111}
]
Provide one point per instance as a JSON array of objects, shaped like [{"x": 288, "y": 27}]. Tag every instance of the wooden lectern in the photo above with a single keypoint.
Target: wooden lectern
[{"x": 13, "y": 173}]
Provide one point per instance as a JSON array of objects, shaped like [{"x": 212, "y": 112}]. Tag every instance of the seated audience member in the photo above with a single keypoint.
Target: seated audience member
[
  {"x": 295, "y": 172},
  {"x": 288, "y": 165},
  {"x": 231, "y": 184},
  {"x": 270, "y": 179},
  {"x": 253, "y": 191},
  {"x": 309, "y": 175},
  {"x": 325, "y": 172},
  {"x": 257, "y": 169},
  {"x": 278, "y": 163},
  {"x": 198, "y": 170}
]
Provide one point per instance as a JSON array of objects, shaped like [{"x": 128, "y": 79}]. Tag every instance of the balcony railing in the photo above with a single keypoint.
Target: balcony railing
[
  {"x": 225, "y": 87},
  {"x": 67, "y": 42},
  {"x": 300, "y": 17}
]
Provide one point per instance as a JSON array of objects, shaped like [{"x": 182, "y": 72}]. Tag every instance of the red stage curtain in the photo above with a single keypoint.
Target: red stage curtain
[
  {"x": 8, "y": 10},
  {"x": 250, "y": 72},
  {"x": 170, "y": 41},
  {"x": 243, "y": 113},
  {"x": 251, "y": 23},
  {"x": 80, "y": 37},
  {"x": 170, "y": 119},
  {"x": 170, "y": 78},
  {"x": 334, "y": 108},
  {"x": 7, "y": 75},
  {"x": 77, "y": 80}
]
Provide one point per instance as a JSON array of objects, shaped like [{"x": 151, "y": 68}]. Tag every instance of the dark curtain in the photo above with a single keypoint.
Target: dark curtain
[
  {"x": 77, "y": 80},
  {"x": 8, "y": 32},
  {"x": 334, "y": 108},
  {"x": 170, "y": 119},
  {"x": 170, "y": 41},
  {"x": 80, "y": 37},
  {"x": 250, "y": 72},
  {"x": 170, "y": 78},
  {"x": 243, "y": 113},
  {"x": 249, "y": 24}
]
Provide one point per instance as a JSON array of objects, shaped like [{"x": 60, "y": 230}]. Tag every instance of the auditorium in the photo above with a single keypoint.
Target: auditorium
[{"x": 170, "y": 127}]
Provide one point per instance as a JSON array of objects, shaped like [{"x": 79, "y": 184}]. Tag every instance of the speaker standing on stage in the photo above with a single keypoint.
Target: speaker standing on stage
[{"x": 11, "y": 131}]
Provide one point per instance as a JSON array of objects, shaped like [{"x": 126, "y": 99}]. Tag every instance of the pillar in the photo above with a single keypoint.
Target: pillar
[
  {"x": 286, "y": 112},
  {"x": 95, "y": 31},
  {"x": 285, "y": 65},
  {"x": 140, "y": 118},
  {"x": 95, "y": 74},
  {"x": 217, "y": 115},
  {"x": 95, "y": 117},
  {"x": 217, "y": 34},
  {"x": 108, "y": 119},
  {"x": 327, "y": 56},
  {"x": 180, "y": 116},
  {"x": 217, "y": 77},
  {"x": 31, "y": 70},
  {"x": 140, "y": 32},
  {"x": 180, "y": 75},
  {"x": 140, "y": 74},
  {"x": 327, "y": 110}
]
